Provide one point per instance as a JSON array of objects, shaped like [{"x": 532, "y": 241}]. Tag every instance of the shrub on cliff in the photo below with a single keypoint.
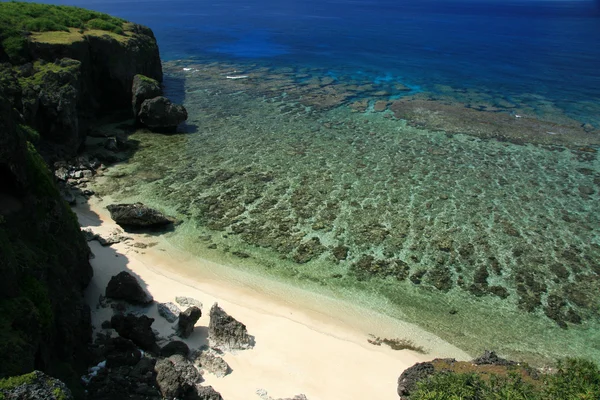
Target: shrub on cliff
[
  {"x": 17, "y": 19},
  {"x": 573, "y": 379}
]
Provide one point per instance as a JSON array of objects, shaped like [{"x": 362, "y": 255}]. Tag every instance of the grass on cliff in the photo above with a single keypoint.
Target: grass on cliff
[
  {"x": 574, "y": 379},
  {"x": 17, "y": 20}
]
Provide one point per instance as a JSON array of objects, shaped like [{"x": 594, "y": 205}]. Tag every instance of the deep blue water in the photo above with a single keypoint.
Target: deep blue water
[{"x": 550, "y": 48}]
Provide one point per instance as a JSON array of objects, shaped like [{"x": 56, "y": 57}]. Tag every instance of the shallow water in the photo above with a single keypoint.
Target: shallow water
[{"x": 436, "y": 161}]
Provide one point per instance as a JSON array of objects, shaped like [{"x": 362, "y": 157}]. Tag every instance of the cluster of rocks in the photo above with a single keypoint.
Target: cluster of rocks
[
  {"x": 72, "y": 177},
  {"x": 138, "y": 364},
  {"x": 152, "y": 109},
  {"x": 264, "y": 395},
  {"x": 116, "y": 236},
  {"x": 35, "y": 386}
]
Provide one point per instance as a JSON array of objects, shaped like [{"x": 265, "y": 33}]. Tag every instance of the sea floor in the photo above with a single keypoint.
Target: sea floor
[{"x": 474, "y": 216}]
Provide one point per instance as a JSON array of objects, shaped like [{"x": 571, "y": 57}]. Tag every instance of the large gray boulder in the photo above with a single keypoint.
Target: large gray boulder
[
  {"x": 36, "y": 386},
  {"x": 168, "y": 311},
  {"x": 137, "y": 215},
  {"x": 143, "y": 88},
  {"x": 226, "y": 332},
  {"x": 125, "y": 286},
  {"x": 160, "y": 114},
  {"x": 137, "y": 329},
  {"x": 187, "y": 321},
  {"x": 212, "y": 363}
]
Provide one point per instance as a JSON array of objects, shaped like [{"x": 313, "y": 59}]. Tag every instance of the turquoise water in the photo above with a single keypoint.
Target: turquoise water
[{"x": 487, "y": 243}]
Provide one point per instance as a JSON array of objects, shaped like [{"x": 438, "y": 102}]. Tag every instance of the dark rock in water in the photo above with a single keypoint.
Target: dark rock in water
[
  {"x": 178, "y": 378},
  {"x": 137, "y": 215},
  {"x": 37, "y": 386},
  {"x": 225, "y": 331},
  {"x": 125, "y": 286},
  {"x": 213, "y": 364},
  {"x": 407, "y": 382},
  {"x": 168, "y": 311},
  {"x": 159, "y": 114},
  {"x": 143, "y": 89},
  {"x": 175, "y": 347},
  {"x": 491, "y": 358},
  {"x": 187, "y": 320},
  {"x": 138, "y": 329}
]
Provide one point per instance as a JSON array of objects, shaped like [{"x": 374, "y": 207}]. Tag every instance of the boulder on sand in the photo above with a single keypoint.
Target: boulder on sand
[
  {"x": 125, "y": 286},
  {"x": 226, "y": 332},
  {"x": 137, "y": 215},
  {"x": 187, "y": 321}
]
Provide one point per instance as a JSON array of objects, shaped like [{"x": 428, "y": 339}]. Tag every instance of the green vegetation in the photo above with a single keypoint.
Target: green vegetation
[
  {"x": 18, "y": 19},
  {"x": 574, "y": 379},
  {"x": 14, "y": 381}
]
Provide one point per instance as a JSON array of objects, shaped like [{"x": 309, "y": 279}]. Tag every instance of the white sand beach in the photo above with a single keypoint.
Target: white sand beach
[{"x": 305, "y": 343}]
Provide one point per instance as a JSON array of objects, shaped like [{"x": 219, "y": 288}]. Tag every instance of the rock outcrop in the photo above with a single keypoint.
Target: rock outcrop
[
  {"x": 36, "y": 386},
  {"x": 187, "y": 321},
  {"x": 125, "y": 286},
  {"x": 143, "y": 89},
  {"x": 178, "y": 378},
  {"x": 212, "y": 363},
  {"x": 407, "y": 382},
  {"x": 44, "y": 260},
  {"x": 226, "y": 332},
  {"x": 160, "y": 114},
  {"x": 137, "y": 215},
  {"x": 187, "y": 302},
  {"x": 168, "y": 311},
  {"x": 137, "y": 329},
  {"x": 175, "y": 347}
]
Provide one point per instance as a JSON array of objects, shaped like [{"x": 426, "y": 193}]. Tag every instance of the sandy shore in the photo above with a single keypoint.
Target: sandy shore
[{"x": 304, "y": 343}]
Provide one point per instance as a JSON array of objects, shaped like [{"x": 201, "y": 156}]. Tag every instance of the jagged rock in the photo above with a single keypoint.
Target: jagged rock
[
  {"x": 187, "y": 302},
  {"x": 225, "y": 331},
  {"x": 207, "y": 393},
  {"x": 491, "y": 358},
  {"x": 175, "y": 347},
  {"x": 407, "y": 382},
  {"x": 138, "y": 329},
  {"x": 168, "y": 311},
  {"x": 120, "y": 351},
  {"x": 138, "y": 215},
  {"x": 37, "y": 386},
  {"x": 143, "y": 89},
  {"x": 187, "y": 320},
  {"x": 213, "y": 364},
  {"x": 125, "y": 286},
  {"x": 178, "y": 378},
  {"x": 161, "y": 115}
]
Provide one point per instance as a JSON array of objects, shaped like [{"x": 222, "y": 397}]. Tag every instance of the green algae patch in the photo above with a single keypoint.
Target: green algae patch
[{"x": 14, "y": 381}]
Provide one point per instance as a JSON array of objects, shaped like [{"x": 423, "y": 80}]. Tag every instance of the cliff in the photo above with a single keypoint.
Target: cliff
[
  {"x": 79, "y": 65},
  {"x": 60, "y": 68}
]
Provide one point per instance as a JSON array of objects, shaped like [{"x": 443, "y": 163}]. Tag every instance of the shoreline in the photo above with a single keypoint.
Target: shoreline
[{"x": 299, "y": 343}]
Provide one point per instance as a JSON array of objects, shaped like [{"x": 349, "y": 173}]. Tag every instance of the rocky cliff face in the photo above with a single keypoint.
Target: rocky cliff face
[
  {"x": 64, "y": 80},
  {"x": 44, "y": 265},
  {"x": 72, "y": 78}
]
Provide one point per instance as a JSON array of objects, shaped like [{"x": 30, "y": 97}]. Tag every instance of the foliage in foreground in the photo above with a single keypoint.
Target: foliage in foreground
[{"x": 575, "y": 379}]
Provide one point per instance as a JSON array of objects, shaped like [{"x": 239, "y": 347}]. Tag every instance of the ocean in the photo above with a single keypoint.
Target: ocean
[{"x": 433, "y": 160}]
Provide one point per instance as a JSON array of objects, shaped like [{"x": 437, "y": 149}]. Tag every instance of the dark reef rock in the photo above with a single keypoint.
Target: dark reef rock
[
  {"x": 226, "y": 332},
  {"x": 187, "y": 320},
  {"x": 160, "y": 115},
  {"x": 175, "y": 347},
  {"x": 36, "y": 386},
  {"x": 407, "y": 382},
  {"x": 120, "y": 351},
  {"x": 137, "y": 329},
  {"x": 125, "y": 286},
  {"x": 368, "y": 267},
  {"x": 143, "y": 89},
  {"x": 137, "y": 215}
]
